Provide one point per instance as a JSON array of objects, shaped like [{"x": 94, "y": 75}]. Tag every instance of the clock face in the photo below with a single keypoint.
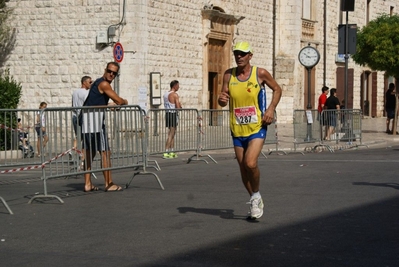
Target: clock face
[{"x": 309, "y": 56}]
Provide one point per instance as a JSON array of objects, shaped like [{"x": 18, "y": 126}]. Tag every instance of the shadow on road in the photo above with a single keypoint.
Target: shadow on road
[
  {"x": 392, "y": 185},
  {"x": 365, "y": 236}
]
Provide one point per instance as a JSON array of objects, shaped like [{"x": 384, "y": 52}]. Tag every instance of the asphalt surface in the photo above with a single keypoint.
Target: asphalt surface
[{"x": 321, "y": 209}]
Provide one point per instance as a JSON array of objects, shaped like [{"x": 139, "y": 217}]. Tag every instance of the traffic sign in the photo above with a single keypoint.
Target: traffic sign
[{"x": 118, "y": 52}]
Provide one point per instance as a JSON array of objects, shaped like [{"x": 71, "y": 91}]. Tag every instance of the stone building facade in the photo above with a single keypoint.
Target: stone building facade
[{"x": 57, "y": 42}]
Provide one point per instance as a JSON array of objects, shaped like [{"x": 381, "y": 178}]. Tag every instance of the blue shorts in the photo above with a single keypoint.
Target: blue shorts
[
  {"x": 244, "y": 141},
  {"x": 331, "y": 119},
  {"x": 38, "y": 130}
]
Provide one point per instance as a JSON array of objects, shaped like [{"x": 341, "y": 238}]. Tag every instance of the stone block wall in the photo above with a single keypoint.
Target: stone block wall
[{"x": 56, "y": 45}]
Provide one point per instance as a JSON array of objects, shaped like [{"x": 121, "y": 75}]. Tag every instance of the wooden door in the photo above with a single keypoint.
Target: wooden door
[
  {"x": 215, "y": 70},
  {"x": 213, "y": 88},
  {"x": 374, "y": 94}
]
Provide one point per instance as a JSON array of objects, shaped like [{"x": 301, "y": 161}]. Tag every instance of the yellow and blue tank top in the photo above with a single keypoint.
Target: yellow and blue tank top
[{"x": 247, "y": 104}]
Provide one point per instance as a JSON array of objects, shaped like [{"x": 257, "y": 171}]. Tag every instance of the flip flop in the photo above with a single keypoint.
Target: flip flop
[
  {"x": 93, "y": 188},
  {"x": 118, "y": 188}
]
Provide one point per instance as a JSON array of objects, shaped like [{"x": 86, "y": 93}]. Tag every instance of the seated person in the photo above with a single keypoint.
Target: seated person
[{"x": 22, "y": 135}]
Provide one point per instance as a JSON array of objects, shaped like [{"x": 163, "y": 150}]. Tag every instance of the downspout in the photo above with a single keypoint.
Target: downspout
[
  {"x": 117, "y": 26},
  {"x": 325, "y": 43},
  {"x": 274, "y": 39}
]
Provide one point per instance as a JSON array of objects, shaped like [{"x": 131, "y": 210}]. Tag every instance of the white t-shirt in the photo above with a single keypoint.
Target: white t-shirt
[
  {"x": 42, "y": 119},
  {"x": 78, "y": 98}
]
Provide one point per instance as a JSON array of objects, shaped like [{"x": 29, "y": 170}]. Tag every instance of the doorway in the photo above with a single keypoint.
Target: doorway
[
  {"x": 213, "y": 96},
  {"x": 368, "y": 93},
  {"x": 340, "y": 86},
  {"x": 213, "y": 90},
  {"x": 216, "y": 65}
]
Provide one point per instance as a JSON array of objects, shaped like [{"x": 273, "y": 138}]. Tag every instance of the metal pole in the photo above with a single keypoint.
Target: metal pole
[
  {"x": 156, "y": 111},
  {"x": 346, "y": 123},
  {"x": 346, "y": 60},
  {"x": 309, "y": 107},
  {"x": 274, "y": 38},
  {"x": 325, "y": 43}
]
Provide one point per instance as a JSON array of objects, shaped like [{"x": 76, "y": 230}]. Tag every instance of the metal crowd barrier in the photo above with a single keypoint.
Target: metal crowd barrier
[
  {"x": 6, "y": 205},
  {"x": 306, "y": 127},
  {"x": 328, "y": 128},
  {"x": 272, "y": 137},
  {"x": 187, "y": 137},
  {"x": 197, "y": 131},
  {"x": 133, "y": 135},
  {"x": 343, "y": 125},
  {"x": 18, "y": 143},
  {"x": 125, "y": 132},
  {"x": 214, "y": 131}
]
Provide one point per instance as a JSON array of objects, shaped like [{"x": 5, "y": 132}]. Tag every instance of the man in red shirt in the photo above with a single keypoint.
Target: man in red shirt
[{"x": 322, "y": 102}]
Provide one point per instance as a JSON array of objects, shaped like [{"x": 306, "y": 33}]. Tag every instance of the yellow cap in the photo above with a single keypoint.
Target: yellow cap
[{"x": 242, "y": 46}]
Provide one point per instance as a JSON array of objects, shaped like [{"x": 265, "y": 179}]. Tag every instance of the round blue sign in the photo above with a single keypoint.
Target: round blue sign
[{"x": 118, "y": 52}]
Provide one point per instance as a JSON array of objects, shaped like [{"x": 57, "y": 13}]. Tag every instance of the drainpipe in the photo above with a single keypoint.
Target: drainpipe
[
  {"x": 274, "y": 39},
  {"x": 325, "y": 43}
]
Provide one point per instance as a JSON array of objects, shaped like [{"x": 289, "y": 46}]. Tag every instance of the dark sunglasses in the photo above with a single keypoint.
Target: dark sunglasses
[
  {"x": 112, "y": 72},
  {"x": 240, "y": 53}
]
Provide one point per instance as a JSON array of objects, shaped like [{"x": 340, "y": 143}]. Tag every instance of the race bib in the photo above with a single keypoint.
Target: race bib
[{"x": 246, "y": 115}]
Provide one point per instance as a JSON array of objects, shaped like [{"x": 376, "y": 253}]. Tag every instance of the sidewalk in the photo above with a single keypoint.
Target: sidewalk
[{"x": 373, "y": 134}]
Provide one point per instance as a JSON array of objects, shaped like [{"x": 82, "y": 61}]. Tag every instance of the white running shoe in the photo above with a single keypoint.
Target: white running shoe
[{"x": 256, "y": 208}]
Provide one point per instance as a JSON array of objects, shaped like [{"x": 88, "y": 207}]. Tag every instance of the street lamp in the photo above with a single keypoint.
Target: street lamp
[{"x": 348, "y": 5}]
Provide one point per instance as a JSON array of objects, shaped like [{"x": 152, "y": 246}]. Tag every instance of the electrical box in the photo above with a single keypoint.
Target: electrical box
[
  {"x": 111, "y": 31},
  {"x": 102, "y": 37}
]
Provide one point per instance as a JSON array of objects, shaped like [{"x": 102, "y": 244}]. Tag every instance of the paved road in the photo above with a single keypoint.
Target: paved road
[{"x": 322, "y": 209}]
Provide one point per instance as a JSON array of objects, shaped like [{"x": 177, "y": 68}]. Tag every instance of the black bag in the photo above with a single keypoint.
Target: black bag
[{"x": 80, "y": 119}]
